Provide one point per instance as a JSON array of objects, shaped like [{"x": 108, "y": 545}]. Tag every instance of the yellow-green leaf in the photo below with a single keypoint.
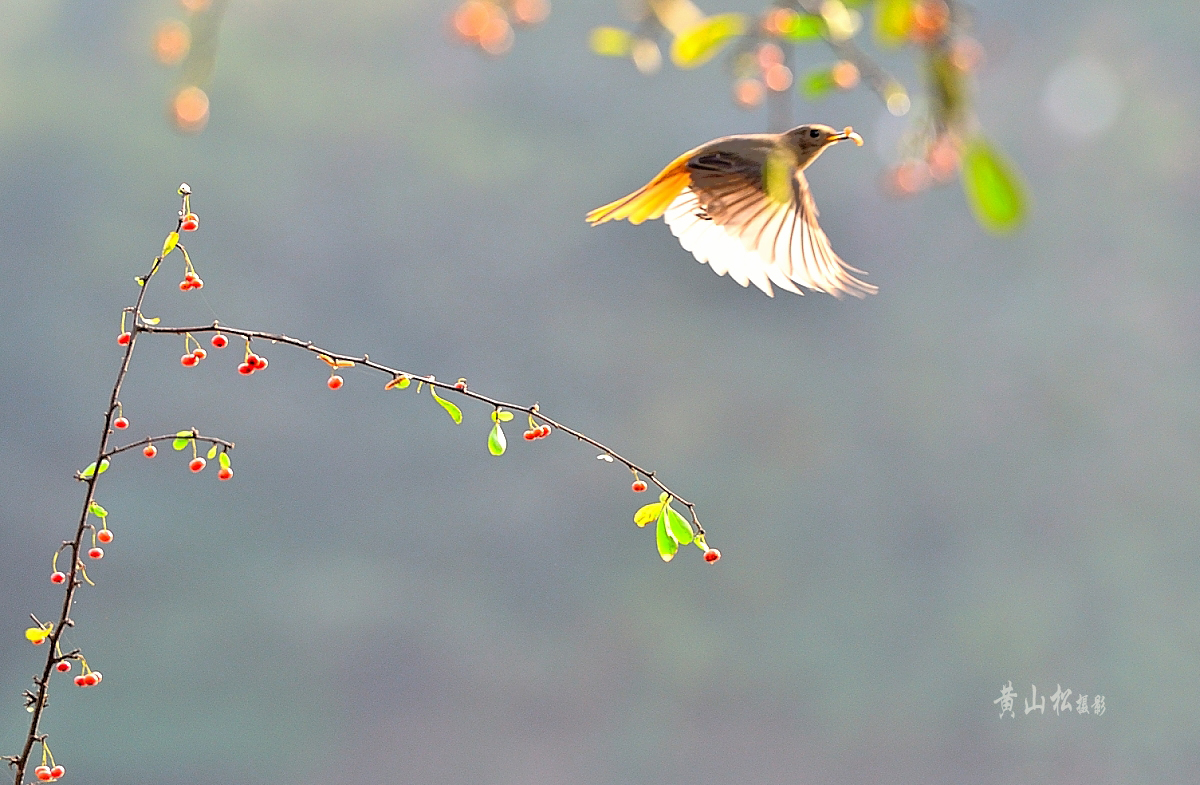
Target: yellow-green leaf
[
  {"x": 452, "y": 410},
  {"x": 817, "y": 84},
  {"x": 39, "y": 634},
  {"x": 212, "y": 452},
  {"x": 496, "y": 441},
  {"x": 993, "y": 187},
  {"x": 90, "y": 469},
  {"x": 610, "y": 41},
  {"x": 182, "y": 439},
  {"x": 648, "y": 513},
  {"x": 803, "y": 27},
  {"x": 170, "y": 243},
  {"x": 698, "y": 45},
  {"x": 679, "y": 529},
  {"x": 224, "y": 460},
  {"x": 97, "y": 510},
  {"x": 399, "y": 383},
  {"x": 667, "y": 547},
  {"x": 893, "y": 20}
]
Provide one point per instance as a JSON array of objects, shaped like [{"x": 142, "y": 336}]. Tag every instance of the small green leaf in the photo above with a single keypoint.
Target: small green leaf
[
  {"x": 140, "y": 280},
  {"x": 183, "y": 438},
  {"x": 804, "y": 27},
  {"x": 701, "y": 43},
  {"x": 817, "y": 83},
  {"x": 224, "y": 460},
  {"x": 893, "y": 20},
  {"x": 103, "y": 465},
  {"x": 90, "y": 469},
  {"x": 648, "y": 513},
  {"x": 170, "y": 243},
  {"x": 151, "y": 320},
  {"x": 454, "y": 412},
  {"x": 496, "y": 442},
  {"x": 97, "y": 510},
  {"x": 212, "y": 452},
  {"x": 610, "y": 41},
  {"x": 667, "y": 547},
  {"x": 993, "y": 187},
  {"x": 679, "y": 529}
]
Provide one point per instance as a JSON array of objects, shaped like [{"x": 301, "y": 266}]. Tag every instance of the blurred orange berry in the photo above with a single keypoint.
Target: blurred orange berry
[
  {"x": 942, "y": 159},
  {"x": 530, "y": 12},
  {"x": 172, "y": 41},
  {"x": 778, "y": 21},
  {"x": 748, "y": 93},
  {"x": 844, "y": 74},
  {"x": 909, "y": 178},
  {"x": 769, "y": 55},
  {"x": 195, "y": 6},
  {"x": 190, "y": 109},
  {"x": 497, "y": 36},
  {"x": 472, "y": 17},
  {"x": 778, "y": 77},
  {"x": 930, "y": 19},
  {"x": 966, "y": 54}
]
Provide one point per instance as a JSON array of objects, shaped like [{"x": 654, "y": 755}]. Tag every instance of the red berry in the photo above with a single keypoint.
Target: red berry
[
  {"x": 97, "y": 677},
  {"x": 198, "y": 283},
  {"x": 120, "y": 423},
  {"x": 543, "y": 432},
  {"x": 58, "y": 577},
  {"x": 245, "y": 369},
  {"x": 185, "y": 285},
  {"x": 63, "y": 666},
  {"x": 530, "y": 435},
  {"x": 96, "y": 553},
  {"x": 225, "y": 473},
  {"x": 219, "y": 341},
  {"x": 460, "y": 385},
  {"x": 81, "y": 680},
  {"x": 199, "y": 353},
  {"x": 123, "y": 339},
  {"x": 711, "y": 555},
  {"x": 57, "y": 772},
  {"x": 188, "y": 360},
  {"x": 260, "y": 363},
  {"x": 638, "y": 486},
  {"x": 335, "y": 382},
  {"x": 150, "y": 451},
  {"x": 252, "y": 360},
  {"x": 105, "y": 536},
  {"x": 190, "y": 223},
  {"x": 190, "y": 275},
  {"x": 43, "y": 773},
  {"x": 197, "y": 464},
  {"x": 91, "y": 679}
]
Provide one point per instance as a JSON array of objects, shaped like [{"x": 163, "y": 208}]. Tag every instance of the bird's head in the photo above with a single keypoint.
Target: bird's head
[{"x": 809, "y": 140}]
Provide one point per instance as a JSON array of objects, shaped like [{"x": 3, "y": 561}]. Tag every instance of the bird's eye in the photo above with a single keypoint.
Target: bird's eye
[{"x": 814, "y": 133}]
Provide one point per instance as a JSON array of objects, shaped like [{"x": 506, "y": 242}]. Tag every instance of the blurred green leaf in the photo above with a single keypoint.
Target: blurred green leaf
[
  {"x": 611, "y": 41},
  {"x": 667, "y": 547},
  {"x": 648, "y": 513},
  {"x": 993, "y": 187},
  {"x": 224, "y": 460},
  {"x": 97, "y": 510},
  {"x": 804, "y": 27},
  {"x": 697, "y": 46},
  {"x": 679, "y": 529},
  {"x": 893, "y": 20},
  {"x": 817, "y": 83},
  {"x": 496, "y": 442},
  {"x": 452, "y": 410}
]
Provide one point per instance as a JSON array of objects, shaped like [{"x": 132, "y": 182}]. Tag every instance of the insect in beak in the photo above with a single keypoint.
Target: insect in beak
[{"x": 848, "y": 133}]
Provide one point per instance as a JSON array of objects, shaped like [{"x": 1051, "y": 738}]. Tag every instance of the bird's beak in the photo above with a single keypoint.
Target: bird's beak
[{"x": 848, "y": 133}]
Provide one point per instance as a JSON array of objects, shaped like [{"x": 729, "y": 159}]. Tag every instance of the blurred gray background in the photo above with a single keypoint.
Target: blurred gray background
[{"x": 985, "y": 473}]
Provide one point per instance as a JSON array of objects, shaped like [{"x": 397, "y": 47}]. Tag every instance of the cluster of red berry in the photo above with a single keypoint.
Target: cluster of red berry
[
  {"x": 193, "y": 357},
  {"x": 89, "y": 679},
  {"x": 190, "y": 223},
  {"x": 253, "y": 363},
  {"x": 540, "y": 432},
  {"x": 47, "y": 774},
  {"x": 191, "y": 281}
]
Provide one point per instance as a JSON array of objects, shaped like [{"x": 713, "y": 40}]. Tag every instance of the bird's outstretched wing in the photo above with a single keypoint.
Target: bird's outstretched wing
[{"x": 748, "y": 215}]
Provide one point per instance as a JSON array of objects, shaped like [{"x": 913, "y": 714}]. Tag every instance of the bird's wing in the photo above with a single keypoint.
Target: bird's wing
[{"x": 747, "y": 214}]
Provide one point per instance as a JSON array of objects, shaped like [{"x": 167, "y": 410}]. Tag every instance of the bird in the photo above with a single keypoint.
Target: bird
[{"x": 742, "y": 205}]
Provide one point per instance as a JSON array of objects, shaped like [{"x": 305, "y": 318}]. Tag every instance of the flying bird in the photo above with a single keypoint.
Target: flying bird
[{"x": 741, "y": 204}]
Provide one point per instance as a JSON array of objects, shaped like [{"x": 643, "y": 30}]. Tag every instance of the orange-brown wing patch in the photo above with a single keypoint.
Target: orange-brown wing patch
[{"x": 651, "y": 200}]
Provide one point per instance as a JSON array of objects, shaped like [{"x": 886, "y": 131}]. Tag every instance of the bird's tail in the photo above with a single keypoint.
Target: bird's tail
[{"x": 651, "y": 200}]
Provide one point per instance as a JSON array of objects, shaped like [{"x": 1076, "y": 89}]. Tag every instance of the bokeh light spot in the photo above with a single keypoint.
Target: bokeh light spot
[
  {"x": 190, "y": 109},
  {"x": 172, "y": 40},
  {"x": 1083, "y": 97}
]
